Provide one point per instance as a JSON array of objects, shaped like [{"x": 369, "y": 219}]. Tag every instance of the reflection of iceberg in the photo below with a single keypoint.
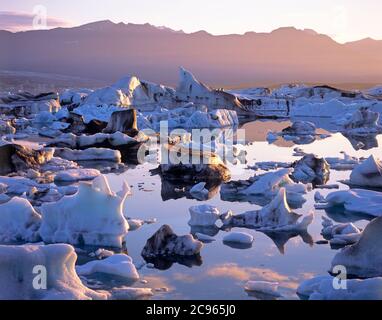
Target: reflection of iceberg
[
  {"x": 280, "y": 239},
  {"x": 165, "y": 263},
  {"x": 172, "y": 190}
]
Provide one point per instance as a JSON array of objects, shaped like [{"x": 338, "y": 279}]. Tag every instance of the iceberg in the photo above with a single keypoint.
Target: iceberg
[
  {"x": 364, "y": 258},
  {"x": 92, "y": 216},
  {"x": 18, "y": 221},
  {"x": 166, "y": 243},
  {"x": 119, "y": 265},
  {"x": 203, "y": 215},
  {"x": 91, "y": 154},
  {"x": 340, "y": 234},
  {"x": 238, "y": 237},
  {"x": 275, "y": 216},
  {"x": 356, "y": 201},
  {"x": 367, "y": 174},
  {"x": 311, "y": 169}
]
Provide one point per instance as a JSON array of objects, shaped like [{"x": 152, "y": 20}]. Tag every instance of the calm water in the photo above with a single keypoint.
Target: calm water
[{"x": 224, "y": 270}]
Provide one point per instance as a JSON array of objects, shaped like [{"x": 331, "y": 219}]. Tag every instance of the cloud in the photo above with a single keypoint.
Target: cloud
[{"x": 21, "y": 21}]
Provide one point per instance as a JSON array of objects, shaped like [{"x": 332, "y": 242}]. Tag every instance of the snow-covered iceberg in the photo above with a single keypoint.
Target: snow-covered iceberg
[{"x": 92, "y": 216}]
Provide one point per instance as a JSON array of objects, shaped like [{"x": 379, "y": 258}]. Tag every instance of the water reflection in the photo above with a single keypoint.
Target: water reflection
[
  {"x": 165, "y": 263},
  {"x": 280, "y": 239}
]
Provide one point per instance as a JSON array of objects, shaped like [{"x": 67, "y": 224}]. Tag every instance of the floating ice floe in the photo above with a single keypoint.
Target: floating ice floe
[
  {"x": 92, "y": 216},
  {"x": 364, "y": 258},
  {"x": 119, "y": 265},
  {"x": 275, "y": 216},
  {"x": 263, "y": 287},
  {"x": 56, "y": 262},
  {"x": 73, "y": 175},
  {"x": 130, "y": 293},
  {"x": 18, "y": 221},
  {"x": 267, "y": 185},
  {"x": 203, "y": 215},
  {"x": 367, "y": 174},
  {"x": 166, "y": 243},
  {"x": 311, "y": 169},
  {"x": 355, "y": 201},
  {"x": 361, "y": 121},
  {"x": 238, "y": 237},
  {"x": 345, "y": 163},
  {"x": 340, "y": 234},
  {"x": 91, "y": 154},
  {"x": 323, "y": 288}
]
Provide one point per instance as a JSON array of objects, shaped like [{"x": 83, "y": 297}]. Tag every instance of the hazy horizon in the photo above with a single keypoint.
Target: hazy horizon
[{"x": 333, "y": 18}]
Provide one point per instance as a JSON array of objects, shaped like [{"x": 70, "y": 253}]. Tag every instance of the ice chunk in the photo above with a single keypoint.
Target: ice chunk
[
  {"x": 239, "y": 237},
  {"x": 19, "y": 265},
  {"x": 364, "y": 258},
  {"x": 357, "y": 201},
  {"x": 311, "y": 169},
  {"x": 18, "y": 221},
  {"x": 264, "y": 287},
  {"x": 73, "y": 175},
  {"x": 166, "y": 243},
  {"x": 340, "y": 234},
  {"x": 367, "y": 174},
  {"x": 275, "y": 216},
  {"x": 203, "y": 215},
  {"x": 92, "y": 216},
  {"x": 117, "y": 265},
  {"x": 88, "y": 154},
  {"x": 322, "y": 288}
]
